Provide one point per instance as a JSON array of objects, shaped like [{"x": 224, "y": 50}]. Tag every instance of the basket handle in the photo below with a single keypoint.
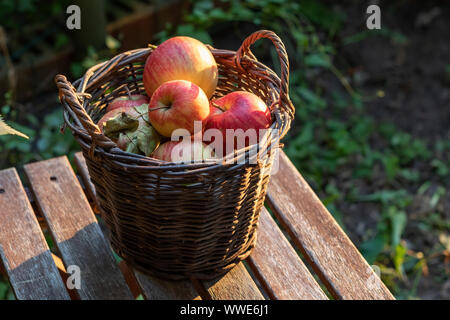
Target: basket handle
[
  {"x": 284, "y": 101},
  {"x": 71, "y": 99}
]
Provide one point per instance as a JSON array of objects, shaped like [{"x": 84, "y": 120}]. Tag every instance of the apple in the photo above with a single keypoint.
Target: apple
[
  {"x": 127, "y": 101},
  {"x": 177, "y": 104},
  {"x": 185, "y": 150},
  {"x": 181, "y": 58},
  {"x": 238, "y": 110}
]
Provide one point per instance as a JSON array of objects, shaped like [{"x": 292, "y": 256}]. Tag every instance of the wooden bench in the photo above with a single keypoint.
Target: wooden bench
[{"x": 64, "y": 204}]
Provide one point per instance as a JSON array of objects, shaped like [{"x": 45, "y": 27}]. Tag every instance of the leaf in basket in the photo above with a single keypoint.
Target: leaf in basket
[
  {"x": 142, "y": 110},
  {"x": 143, "y": 140},
  {"x": 120, "y": 123},
  {"x": 131, "y": 142},
  {"x": 147, "y": 139}
]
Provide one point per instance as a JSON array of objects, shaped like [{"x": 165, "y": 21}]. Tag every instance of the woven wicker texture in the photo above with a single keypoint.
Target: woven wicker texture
[{"x": 178, "y": 220}]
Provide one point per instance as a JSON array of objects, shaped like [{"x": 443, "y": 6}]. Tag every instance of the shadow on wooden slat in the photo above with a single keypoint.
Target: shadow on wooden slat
[
  {"x": 95, "y": 261},
  {"x": 160, "y": 289},
  {"x": 31, "y": 280},
  {"x": 25, "y": 255}
]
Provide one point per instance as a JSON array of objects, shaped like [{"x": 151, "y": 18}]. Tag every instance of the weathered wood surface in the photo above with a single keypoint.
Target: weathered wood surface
[
  {"x": 75, "y": 230},
  {"x": 321, "y": 240},
  {"x": 237, "y": 284},
  {"x": 159, "y": 289},
  {"x": 24, "y": 252},
  {"x": 278, "y": 267},
  {"x": 64, "y": 276}
]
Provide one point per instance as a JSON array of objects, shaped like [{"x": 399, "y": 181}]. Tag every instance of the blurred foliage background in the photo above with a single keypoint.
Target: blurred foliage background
[{"x": 371, "y": 133}]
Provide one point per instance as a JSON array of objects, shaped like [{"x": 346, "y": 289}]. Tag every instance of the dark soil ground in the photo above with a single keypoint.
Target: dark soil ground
[
  {"x": 415, "y": 78},
  {"x": 414, "y": 75}
]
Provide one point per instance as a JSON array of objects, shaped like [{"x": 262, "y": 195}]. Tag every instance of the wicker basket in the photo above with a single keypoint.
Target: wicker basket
[{"x": 178, "y": 220}]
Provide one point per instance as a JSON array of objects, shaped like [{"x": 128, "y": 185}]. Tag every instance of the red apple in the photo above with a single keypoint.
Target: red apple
[
  {"x": 238, "y": 110},
  {"x": 127, "y": 101},
  {"x": 183, "y": 151},
  {"x": 176, "y": 105},
  {"x": 181, "y": 58}
]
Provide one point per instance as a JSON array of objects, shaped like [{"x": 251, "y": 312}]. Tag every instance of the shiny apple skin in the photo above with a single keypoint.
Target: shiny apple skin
[
  {"x": 126, "y": 102},
  {"x": 238, "y": 110},
  {"x": 183, "y": 151},
  {"x": 181, "y": 58},
  {"x": 176, "y": 105}
]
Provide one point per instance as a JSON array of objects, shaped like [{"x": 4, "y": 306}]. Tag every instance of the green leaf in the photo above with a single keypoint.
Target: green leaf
[
  {"x": 398, "y": 221},
  {"x": 119, "y": 123},
  {"x": 372, "y": 248},
  {"x": 317, "y": 60},
  {"x": 143, "y": 140},
  {"x": 391, "y": 165},
  {"x": 314, "y": 99},
  {"x": 399, "y": 258},
  {"x": 441, "y": 168},
  {"x": 147, "y": 139},
  {"x": 410, "y": 174},
  {"x": 437, "y": 196},
  {"x": 5, "y": 129}
]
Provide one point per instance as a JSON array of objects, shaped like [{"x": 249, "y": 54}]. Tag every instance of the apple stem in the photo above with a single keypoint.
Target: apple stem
[{"x": 158, "y": 108}]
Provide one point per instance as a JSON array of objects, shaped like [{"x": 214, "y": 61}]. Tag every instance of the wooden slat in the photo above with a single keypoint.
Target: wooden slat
[
  {"x": 80, "y": 162},
  {"x": 23, "y": 249},
  {"x": 64, "y": 276},
  {"x": 151, "y": 288},
  {"x": 237, "y": 284},
  {"x": 323, "y": 243},
  {"x": 159, "y": 289},
  {"x": 278, "y": 267},
  {"x": 75, "y": 229}
]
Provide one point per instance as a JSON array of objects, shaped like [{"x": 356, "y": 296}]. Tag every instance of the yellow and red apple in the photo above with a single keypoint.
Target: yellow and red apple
[
  {"x": 186, "y": 150},
  {"x": 181, "y": 58},
  {"x": 176, "y": 105},
  {"x": 133, "y": 100}
]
